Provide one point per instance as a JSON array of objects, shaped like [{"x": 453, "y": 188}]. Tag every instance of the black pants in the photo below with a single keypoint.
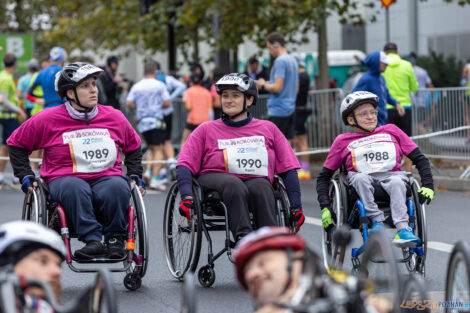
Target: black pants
[{"x": 239, "y": 196}]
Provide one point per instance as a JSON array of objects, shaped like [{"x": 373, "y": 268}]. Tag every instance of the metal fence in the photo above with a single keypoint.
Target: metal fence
[{"x": 440, "y": 117}]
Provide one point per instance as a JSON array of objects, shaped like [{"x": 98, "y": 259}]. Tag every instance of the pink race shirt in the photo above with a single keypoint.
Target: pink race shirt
[
  {"x": 379, "y": 151},
  {"x": 257, "y": 149},
  {"x": 72, "y": 148}
]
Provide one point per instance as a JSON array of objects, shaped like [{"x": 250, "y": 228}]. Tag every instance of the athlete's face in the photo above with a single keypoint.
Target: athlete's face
[
  {"x": 87, "y": 93},
  {"x": 366, "y": 116},
  {"x": 232, "y": 101},
  {"x": 266, "y": 276},
  {"x": 44, "y": 265}
]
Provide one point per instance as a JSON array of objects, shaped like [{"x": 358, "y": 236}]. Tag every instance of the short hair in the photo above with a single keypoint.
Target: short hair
[
  {"x": 112, "y": 59},
  {"x": 253, "y": 60},
  {"x": 150, "y": 68},
  {"x": 276, "y": 37},
  {"x": 157, "y": 64},
  {"x": 9, "y": 60}
]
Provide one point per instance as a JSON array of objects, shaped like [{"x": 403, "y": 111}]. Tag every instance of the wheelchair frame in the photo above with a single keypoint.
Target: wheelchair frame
[
  {"x": 413, "y": 257},
  {"x": 206, "y": 220},
  {"x": 39, "y": 207}
]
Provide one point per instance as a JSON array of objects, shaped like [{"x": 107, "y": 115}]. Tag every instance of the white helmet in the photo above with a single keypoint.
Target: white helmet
[
  {"x": 355, "y": 99},
  {"x": 16, "y": 236}
]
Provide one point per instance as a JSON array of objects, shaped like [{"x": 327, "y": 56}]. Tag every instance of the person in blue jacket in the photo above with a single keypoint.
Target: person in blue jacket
[{"x": 373, "y": 81}]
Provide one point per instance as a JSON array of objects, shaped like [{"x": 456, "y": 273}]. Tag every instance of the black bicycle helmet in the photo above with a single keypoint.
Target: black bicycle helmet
[{"x": 72, "y": 75}]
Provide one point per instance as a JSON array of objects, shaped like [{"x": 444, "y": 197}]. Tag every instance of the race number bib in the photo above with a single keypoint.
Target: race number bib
[
  {"x": 91, "y": 150},
  {"x": 372, "y": 154},
  {"x": 245, "y": 156}
]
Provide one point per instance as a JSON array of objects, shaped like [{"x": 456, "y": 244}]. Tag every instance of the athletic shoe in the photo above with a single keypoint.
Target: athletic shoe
[
  {"x": 303, "y": 175},
  {"x": 92, "y": 250},
  {"x": 157, "y": 184},
  {"x": 406, "y": 238},
  {"x": 376, "y": 227},
  {"x": 116, "y": 248}
]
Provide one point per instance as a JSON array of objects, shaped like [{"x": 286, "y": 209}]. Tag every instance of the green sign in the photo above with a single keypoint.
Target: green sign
[{"x": 21, "y": 45}]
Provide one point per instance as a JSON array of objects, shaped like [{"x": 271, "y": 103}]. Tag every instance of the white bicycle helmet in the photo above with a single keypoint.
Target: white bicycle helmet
[
  {"x": 355, "y": 99},
  {"x": 17, "y": 236},
  {"x": 72, "y": 75},
  {"x": 240, "y": 82}
]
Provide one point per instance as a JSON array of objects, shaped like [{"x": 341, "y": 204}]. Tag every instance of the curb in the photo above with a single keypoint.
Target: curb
[{"x": 451, "y": 184}]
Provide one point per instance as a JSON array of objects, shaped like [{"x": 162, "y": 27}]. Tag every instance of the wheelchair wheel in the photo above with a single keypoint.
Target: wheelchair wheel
[
  {"x": 379, "y": 265},
  {"x": 413, "y": 290},
  {"x": 182, "y": 238},
  {"x": 458, "y": 276},
  {"x": 34, "y": 206},
  {"x": 417, "y": 264},
  {"x": 282, "y": 203},
  {"x": 328, "y": 246},
  {"x": 141, "y": 232},
  {"x": 189, "y": 297}
]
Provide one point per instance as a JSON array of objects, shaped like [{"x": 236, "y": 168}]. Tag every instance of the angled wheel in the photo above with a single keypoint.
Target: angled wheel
[
  {"x": 413, "y": 289},
  {"x": 379, "y": 266},
  {"x": 34, "y": 206},
  {"x": 189, "y": 297},
  {"x": 182, "y": 237},
  {"x": 333, "y": 256},
  {"x": 416, "y": 264},
  {"x": 458, "y": 276},
  {"x": 141, "y": 232},
  {"x": 282, "y": 203}
]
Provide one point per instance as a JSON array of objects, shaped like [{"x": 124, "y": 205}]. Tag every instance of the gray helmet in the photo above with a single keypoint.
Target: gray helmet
[
  {"x": 17, "y": 236},
  {"x": 240, "y": 82},
  {"x": 72, "y": 75},
  {"x": 355, "y": 99}
]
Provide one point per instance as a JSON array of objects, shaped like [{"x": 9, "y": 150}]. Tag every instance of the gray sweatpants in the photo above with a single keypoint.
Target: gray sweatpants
[{"x": 394, "y": 183}]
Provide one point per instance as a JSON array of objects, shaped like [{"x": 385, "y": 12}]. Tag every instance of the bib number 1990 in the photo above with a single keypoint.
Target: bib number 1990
[{"x": 247, "y": 160}]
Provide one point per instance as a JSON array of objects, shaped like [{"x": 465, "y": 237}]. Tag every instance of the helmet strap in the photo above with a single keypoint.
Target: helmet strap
[
  {"x": 227, "y": 117},
  {"x": 77, "y": 102},
  {"x": 356, "y": 124}
]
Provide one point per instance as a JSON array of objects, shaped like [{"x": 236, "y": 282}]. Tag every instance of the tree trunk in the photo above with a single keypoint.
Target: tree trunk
[
  {"x": 235, "y": 59},
  {"x": 196, "y": 46},
  {"x": 323, "y": 75}
]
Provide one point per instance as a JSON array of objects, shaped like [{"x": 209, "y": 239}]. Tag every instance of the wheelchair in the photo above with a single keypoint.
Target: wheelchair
[
  {"x": 347, "y": 209},
  {"x": 39, "y": 207},
  {"x": 183, "y": 239}
]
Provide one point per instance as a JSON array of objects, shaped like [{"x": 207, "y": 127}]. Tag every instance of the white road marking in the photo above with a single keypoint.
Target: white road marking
[{"x": 435, "y": 245}]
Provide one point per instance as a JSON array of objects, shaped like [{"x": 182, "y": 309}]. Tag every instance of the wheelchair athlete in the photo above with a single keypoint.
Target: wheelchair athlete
[
  {"x": 81, "y": 162},
  {"x": 373, "y": 154},
  {"x": 238, "y": 156},
  {"x": 32, "y": 251},
  {"x": 270, "y": 263}
]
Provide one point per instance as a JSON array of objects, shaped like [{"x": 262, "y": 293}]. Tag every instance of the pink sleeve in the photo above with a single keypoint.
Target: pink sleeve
[
  {"x": 191, "y": 153},
  {"x": 406, "y": 144},
  {"x": 285, "y": 156},
  {"x": 334, "y": 159},
  {"x": 213, "y": 91},
  {"x": 132, "y": 140},
  {"x": 29, "y": 135}
]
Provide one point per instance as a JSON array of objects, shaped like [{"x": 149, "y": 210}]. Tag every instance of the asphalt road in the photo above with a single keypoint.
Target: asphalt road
[{"x": 447, "y": 219}]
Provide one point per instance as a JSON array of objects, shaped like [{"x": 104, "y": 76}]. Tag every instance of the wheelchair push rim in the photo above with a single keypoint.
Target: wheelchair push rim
[
  {"x": 140, "y": 231},
  {"x": 34, "y": 206},
  {"x": 458, "y": 276},
  {"x": 327, "y": 236},
  {"x": 182, "y": 238}
]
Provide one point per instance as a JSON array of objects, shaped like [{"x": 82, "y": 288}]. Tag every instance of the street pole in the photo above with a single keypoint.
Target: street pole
[
  {"x": 387, "y": 25},
  {"x": 221, "y": 57}
]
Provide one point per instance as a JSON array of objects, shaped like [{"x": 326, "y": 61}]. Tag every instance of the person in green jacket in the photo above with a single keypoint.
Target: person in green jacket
[{"x": 401, "y": 80}]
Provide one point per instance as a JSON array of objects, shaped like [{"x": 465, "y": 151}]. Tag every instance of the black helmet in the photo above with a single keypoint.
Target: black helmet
[
  {"x": 72, "y": 75},
  {"x": 240, "y": 82}
]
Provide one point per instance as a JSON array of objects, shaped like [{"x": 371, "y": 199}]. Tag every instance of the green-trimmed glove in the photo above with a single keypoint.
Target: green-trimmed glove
[
  {"x": 326, "y": 218},
  {"x": 425, "y": 195}
]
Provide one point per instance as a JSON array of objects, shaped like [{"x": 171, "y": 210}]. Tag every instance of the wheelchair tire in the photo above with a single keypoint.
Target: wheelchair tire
[
  {"x": 283, "y": 205},
  {"x": 34, "y": 206},
  {"x": 181, "y": 256},
  {"x": 102, "y": 294},
  {"x": 379, "y": 265},
  {"x": 413, "y": 289},
  {"x": 328, "y": 246},
  {"x": 417, "y": 264},
  {"x": 458, "y": 276},
  {"x": 142, "y": 238},
  {"x": 189, "y": 296}
]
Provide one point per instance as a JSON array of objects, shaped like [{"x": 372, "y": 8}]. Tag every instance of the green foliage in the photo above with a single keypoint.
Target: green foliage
[{"x": 444, "y": 72}]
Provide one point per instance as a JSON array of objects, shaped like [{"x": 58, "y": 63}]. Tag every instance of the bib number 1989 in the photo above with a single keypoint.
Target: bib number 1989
[
  {"x": 96, "y": 154},
  {"x": 249, "y": 163}
]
